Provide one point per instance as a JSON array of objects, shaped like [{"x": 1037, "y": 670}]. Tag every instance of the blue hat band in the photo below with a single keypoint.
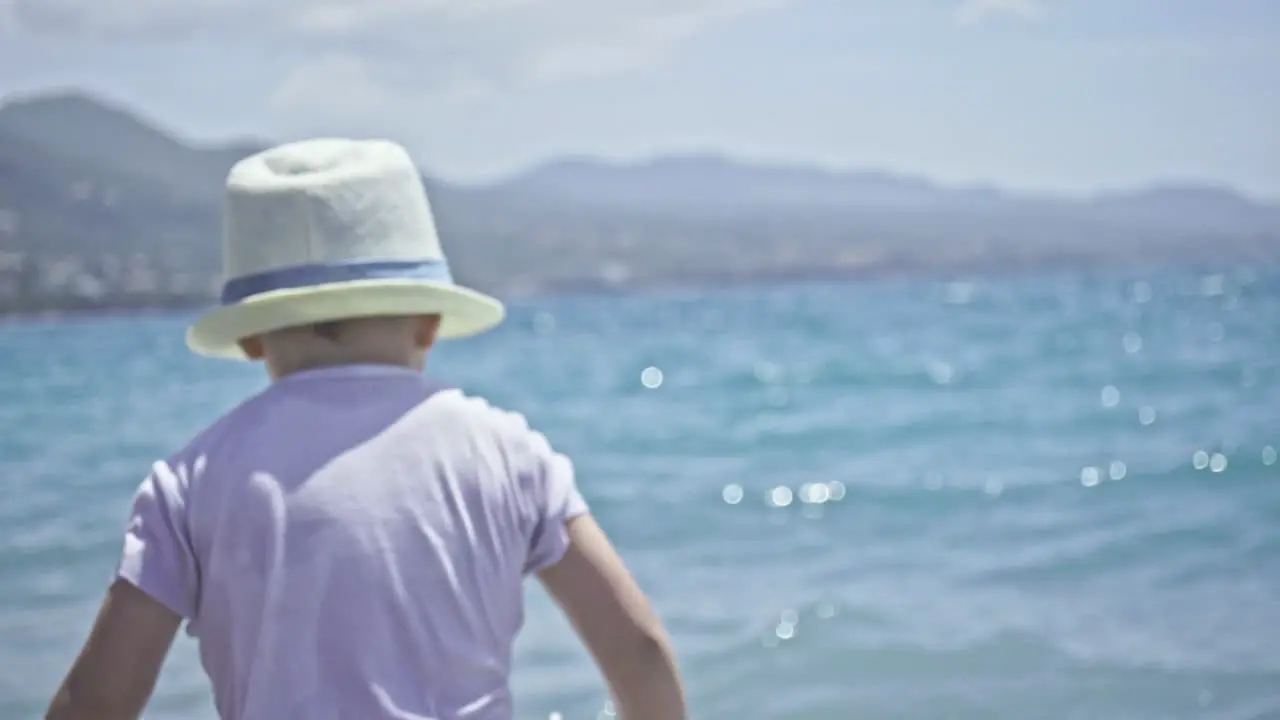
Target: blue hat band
[{"x": 301, "y": 276}]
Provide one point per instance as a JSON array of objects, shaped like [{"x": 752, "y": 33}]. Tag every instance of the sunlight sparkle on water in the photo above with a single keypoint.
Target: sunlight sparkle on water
[
  {"x": 1218, "y": 463},
  {"x": 941, "y": 373},
  {"x": 651, "y": 377},
  {"x": 767, "y": 373},
  {"x": 732, "y": 493},
  {"x": 780, "y": 496},
  {"x": 787, "y": 625},
  {"x": 1132, "y": 342},
  {"x": 814, "y": 493},
  {"x": 1110, "y": 396}
]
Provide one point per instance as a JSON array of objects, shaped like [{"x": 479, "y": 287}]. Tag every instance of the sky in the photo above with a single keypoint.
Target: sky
[{"x": 1069, "y": 96}]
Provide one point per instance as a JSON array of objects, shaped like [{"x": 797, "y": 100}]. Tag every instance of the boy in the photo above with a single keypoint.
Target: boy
[{"x": 351, "y": 542}]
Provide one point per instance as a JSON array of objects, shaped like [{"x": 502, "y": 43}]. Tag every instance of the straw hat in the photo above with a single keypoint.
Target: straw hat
[{"x": 331, "y": 229}]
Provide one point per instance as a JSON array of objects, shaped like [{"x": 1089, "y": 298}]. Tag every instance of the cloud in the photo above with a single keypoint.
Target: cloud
[
  {"x": 126, "y": 19},
  {"x": 343, "y": 89},
  {"x": 498, "y": 41},
  {"x": 973, "y": 12},
  {"x": 336, "y": 86},
  {"x": 346, "y": 64},
  {"x": 8, "y": 17},
  {"x": 611, "y": 41}
]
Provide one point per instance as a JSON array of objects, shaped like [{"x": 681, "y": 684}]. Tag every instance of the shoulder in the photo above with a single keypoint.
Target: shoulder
[
  {"x": 500, "y": 439},
  {"x": 481, "y": 417},
  {"x": 189, "y": 459}
]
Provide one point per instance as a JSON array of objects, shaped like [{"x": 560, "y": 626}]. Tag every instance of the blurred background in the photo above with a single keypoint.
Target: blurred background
[{"x": 921, "y": 356}]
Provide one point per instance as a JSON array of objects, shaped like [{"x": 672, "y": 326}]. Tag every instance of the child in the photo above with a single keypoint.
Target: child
[{"x": 350, "y": 544}]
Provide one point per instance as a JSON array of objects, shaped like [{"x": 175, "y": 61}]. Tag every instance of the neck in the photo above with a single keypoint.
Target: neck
[{"x": 278, "y": 369}]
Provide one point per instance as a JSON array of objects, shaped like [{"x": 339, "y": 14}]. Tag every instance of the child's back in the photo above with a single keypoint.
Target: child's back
[
  {"x": 351, "y": 543},
  {"x": 361, "y": 538}
]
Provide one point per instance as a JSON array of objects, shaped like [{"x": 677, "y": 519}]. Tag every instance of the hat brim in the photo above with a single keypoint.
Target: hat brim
[{"x": 463, "y": 312}]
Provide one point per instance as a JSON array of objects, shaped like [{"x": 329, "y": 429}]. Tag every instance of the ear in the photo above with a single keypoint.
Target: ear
[
  {"x": 252, "y": 347},
  {"x": 424, "y": 334}
]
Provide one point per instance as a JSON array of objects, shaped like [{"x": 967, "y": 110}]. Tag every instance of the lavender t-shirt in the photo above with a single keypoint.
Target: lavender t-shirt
[{"x": 351, "y": 544}]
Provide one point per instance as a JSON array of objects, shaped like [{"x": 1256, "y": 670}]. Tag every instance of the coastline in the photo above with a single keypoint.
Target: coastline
[{"x": 82, "y": 310}]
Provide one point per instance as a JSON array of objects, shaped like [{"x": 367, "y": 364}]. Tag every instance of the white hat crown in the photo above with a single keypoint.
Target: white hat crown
[
  {"x": 327, "y": 210},
  {"x": 329, "y": 229}
]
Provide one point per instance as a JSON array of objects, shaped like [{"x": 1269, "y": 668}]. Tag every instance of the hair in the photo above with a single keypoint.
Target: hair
[
  {"x": 395, "y": 340},
  {"x": 331, "y": 330}
]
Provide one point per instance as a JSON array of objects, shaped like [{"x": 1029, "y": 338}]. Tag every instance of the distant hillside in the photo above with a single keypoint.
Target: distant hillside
[
  {"x": 100, "y": 208},
  {"x": 100, "y": 135},
  {"x": 716, "y": 186}
]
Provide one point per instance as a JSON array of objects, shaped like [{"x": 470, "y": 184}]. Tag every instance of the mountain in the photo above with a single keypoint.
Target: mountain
[
  {"x": 712, "y": 185},
  {"x": 100, "y": 207},
  {"x": 1202, "y": 207},
  {"x": 105, "y": 136},
  {"x": 715, "y": 184}
]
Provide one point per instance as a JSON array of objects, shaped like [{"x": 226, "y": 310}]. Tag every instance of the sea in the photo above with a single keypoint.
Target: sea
[{"x": 1049, "y": 495}]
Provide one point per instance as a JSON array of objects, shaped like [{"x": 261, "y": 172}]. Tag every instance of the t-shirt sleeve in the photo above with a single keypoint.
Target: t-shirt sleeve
[
  {"x": 554, "y": 499},
  {"x": 158, "y": 557}
]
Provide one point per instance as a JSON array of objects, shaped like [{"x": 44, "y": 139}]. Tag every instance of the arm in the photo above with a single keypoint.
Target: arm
[
  {"x": 616, "y": 622},
  {"x": 155, "y": 588},
  {"x": 115, "y": 673},
  {"x": 581, "y": 570}
]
